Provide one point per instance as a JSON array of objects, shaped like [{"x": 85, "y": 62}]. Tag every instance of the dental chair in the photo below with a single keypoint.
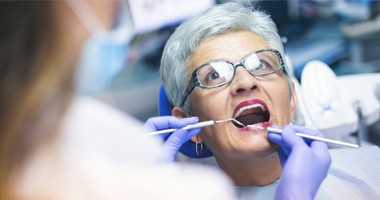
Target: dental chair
[{"x": 340, "y": 107}]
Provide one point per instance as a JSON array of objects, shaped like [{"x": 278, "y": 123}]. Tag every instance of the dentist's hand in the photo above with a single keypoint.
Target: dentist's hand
[
  {"x": 172, "y": 141},
  {"x": 305, "y": 163}
]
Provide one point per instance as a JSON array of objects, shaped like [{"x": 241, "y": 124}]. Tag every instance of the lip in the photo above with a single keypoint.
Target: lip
[
  {"x": 249, "y": 102},
  {"x": 257, "y": 129}
]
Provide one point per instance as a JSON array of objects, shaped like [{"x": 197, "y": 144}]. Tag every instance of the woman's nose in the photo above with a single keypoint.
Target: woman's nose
[{"x": 243, "y": 82}]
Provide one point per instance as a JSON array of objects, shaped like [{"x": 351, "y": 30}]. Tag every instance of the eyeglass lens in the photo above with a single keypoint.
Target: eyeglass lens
[{"x": 219, "y": 72}]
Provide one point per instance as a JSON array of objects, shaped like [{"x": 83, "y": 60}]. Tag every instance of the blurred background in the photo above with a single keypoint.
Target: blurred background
[{"x": 345, "y": 34}]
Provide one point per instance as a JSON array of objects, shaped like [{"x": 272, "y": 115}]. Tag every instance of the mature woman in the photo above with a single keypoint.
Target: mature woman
[
  {"x": 228, "y": 63},
  {"x": 231, "y": 60}
]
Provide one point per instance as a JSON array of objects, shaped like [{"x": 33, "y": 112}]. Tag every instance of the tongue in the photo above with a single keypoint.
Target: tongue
[{"x": 251, "y": 119}]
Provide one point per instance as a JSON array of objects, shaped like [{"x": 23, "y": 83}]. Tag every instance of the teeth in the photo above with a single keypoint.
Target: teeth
[{"x": 249, "y": 107}]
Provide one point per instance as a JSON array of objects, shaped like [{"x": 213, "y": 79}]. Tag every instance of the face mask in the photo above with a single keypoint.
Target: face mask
[{"x": 104, "y": 54}]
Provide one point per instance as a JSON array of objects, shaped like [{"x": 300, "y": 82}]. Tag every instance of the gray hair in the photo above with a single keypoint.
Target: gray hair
[{"x": 220, "y": 19}]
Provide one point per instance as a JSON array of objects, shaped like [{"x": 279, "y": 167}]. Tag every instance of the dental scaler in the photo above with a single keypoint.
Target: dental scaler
[{"x": 312, "y": 137}]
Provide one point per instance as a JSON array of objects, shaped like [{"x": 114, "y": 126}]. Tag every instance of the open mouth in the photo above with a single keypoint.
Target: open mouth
[{"x": 251, "y": 112}]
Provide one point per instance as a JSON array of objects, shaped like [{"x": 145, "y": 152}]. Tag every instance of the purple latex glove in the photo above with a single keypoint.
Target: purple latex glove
[
  {"x": 172, "y": 141},
  {"x": 305, "y": 163}
]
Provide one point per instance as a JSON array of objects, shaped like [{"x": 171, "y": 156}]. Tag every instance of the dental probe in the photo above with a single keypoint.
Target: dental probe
[
  {"x": 279, "y": 131},
  {"x": 191, "y": 126}
]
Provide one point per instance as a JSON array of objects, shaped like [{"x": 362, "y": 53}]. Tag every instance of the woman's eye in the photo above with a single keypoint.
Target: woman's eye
[
  {"x": 263, "y": 65},
  {"x": 215, "y": 73},
  {"x": 211, "y": 76}
]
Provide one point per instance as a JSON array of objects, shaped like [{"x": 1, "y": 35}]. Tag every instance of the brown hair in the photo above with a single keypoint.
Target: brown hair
[{"x": 36, "y": 84}]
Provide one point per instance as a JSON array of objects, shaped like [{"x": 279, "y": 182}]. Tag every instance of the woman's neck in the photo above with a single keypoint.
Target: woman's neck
[{"x": 252, "y": 172}]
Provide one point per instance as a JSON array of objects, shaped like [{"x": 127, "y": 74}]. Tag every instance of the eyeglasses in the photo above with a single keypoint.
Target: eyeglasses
[{"x": 220, "y": 72}]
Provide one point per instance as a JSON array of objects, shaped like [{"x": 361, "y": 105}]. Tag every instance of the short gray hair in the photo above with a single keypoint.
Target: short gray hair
[{"x": 222, "y": 18}]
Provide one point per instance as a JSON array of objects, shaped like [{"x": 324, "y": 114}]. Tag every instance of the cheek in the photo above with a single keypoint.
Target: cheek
[
  {"x": 278, "y": 89},
  {"x": 279, "y": 96},
  {"x": 208, "y": 105}
]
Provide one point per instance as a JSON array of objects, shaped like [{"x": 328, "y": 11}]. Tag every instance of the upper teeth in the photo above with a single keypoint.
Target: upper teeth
[{"x": 249, "y": 107}]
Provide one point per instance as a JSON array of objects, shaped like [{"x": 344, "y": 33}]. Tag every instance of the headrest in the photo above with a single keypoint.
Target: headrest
[{"x": 188, "y": 148}]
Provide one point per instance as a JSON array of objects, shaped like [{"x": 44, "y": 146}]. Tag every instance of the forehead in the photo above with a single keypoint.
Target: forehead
[{"x": 232, "y": 46}]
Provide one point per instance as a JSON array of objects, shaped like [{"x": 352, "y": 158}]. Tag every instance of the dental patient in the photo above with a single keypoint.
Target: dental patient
[
  {"x": 230, "y": 66},
  {"x": 228, "y": 63}
]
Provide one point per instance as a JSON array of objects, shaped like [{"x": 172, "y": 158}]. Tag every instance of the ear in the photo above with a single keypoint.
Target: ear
[
  {"x": 178, "y": 112},
  {"x": 196, "y": 139},
  {"x": 293, "y": 101}
]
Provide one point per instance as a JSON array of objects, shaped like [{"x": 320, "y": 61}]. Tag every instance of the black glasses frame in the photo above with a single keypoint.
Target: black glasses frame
[{"x": 194, "y": 81}]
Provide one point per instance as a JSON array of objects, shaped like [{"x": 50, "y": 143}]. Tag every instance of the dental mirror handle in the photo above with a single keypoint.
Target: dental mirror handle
[
  {"x": 199, "y": 125},
  {"x": 190, "y": 126},
  {"x": 206, "y": 123},
  {"x": 161, "y": 132},
  {"x": 279, "y": 131}
]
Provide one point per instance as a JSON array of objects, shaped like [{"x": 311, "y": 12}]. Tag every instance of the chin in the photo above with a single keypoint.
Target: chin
[
  {"x": 265, "y": 150},
  {"x": 256, "y": 149}
]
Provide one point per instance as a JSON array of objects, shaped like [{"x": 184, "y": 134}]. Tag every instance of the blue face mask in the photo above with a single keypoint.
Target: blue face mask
[{"x": 104, "y": 54}]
